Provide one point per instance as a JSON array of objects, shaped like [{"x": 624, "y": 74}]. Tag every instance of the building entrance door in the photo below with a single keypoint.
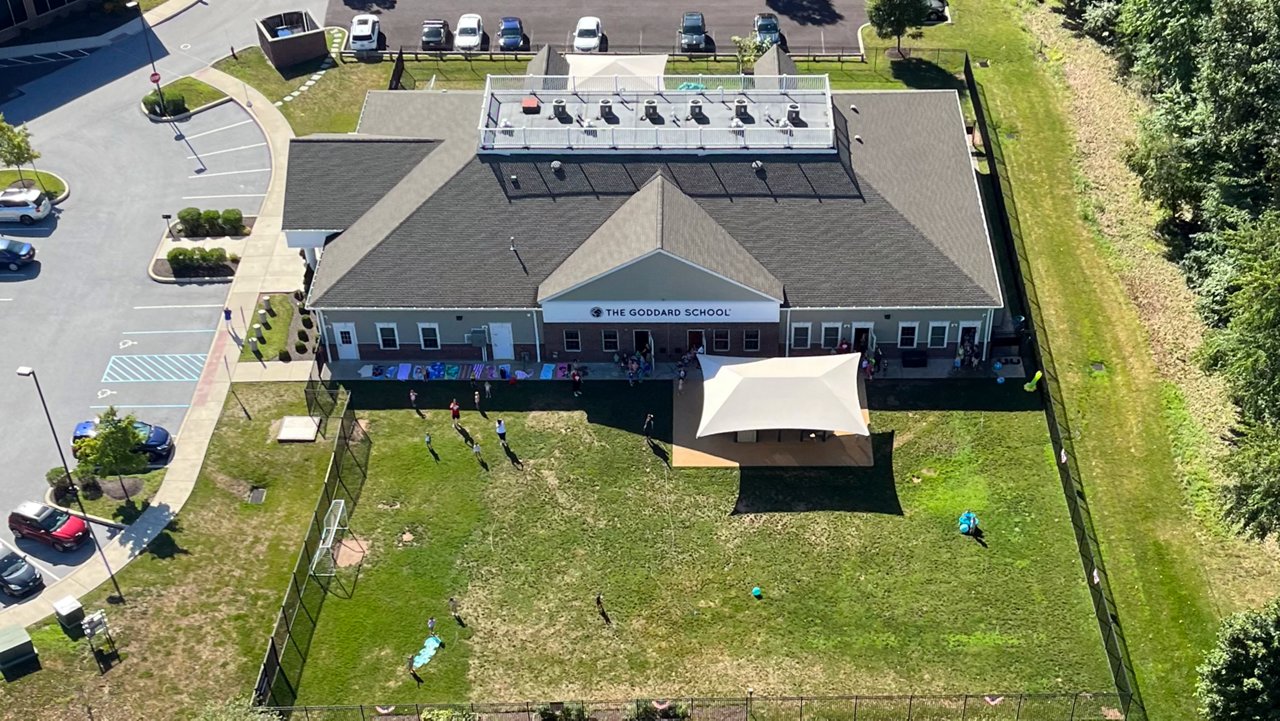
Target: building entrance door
[
  {"x": 642, "y": 341},
  {"x": 695, "y": 340},
  {"x": 504, "y": 347},
  {"x": 344, "y": 336}
]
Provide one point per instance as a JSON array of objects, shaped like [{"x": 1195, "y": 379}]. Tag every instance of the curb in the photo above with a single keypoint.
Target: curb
[
  {"x": 170, "y": 15},
  {"x": 66, "y": 193},
  {"x": 187, "y": 281},
  {"x": 49, "y": 501},
  {"x": 183, "y": 116}
]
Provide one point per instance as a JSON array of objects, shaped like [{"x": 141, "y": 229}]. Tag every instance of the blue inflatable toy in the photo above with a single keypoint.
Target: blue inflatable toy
[{"x": 968, "y": 523}]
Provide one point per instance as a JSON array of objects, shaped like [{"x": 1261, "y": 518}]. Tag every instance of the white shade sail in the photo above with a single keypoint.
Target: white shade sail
[
  {"x": 807, "y": 393},
  {"x": 614, "y": 72}
]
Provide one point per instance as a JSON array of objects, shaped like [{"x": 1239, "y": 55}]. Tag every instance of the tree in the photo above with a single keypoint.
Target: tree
[
  {"x": 112, "y": 450},
  {"x": 749, "y": 48},
  {"x": 1240, "y": 679},
  {"x": 235, "y": 710},
  {"x": 891, "y": 18},
  {"x": 1252, "y": 499},
  {"x": 15, "y": 147},
  {"x": 1162, "y": 40}
]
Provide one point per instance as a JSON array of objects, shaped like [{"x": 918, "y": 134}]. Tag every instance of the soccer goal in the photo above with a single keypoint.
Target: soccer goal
[{"x": 325, "y": 561}]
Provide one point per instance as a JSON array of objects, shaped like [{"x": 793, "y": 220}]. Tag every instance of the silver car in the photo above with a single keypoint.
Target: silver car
[{"x": 24, "y": 205}]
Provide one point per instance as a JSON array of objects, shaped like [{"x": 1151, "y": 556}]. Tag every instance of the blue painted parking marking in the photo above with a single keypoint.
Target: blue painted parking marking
[{"x": 154, "y": 368}]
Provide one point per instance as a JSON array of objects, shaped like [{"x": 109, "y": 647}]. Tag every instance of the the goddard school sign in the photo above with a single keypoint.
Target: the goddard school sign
[{"x": 660, "y": 311}]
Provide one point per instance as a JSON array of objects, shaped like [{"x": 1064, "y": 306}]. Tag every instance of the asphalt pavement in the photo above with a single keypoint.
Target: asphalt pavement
[{"x": 86, "y": 316}]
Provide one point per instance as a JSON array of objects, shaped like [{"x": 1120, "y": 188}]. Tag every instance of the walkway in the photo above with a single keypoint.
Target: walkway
[{"x": 267, "y": 265}]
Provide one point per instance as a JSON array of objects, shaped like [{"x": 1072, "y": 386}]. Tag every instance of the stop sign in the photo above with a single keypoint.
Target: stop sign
[{"x": 155, "y": 78}]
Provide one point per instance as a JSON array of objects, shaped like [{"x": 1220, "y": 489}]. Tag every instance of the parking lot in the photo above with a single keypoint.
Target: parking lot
[{"x": 807, "y": 25}]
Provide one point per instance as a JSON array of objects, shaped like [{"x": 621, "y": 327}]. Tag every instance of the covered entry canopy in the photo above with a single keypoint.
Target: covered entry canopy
[
  {"x": 808, "y": 393},
  {"x": 597, "y": 72}
]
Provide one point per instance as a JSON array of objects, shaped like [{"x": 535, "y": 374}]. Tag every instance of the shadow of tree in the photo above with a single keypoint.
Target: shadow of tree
[
  {"x": 152, "y": 532},
  {"x": 804, "y": 490},
  {"x": 950, "y": 394},
  {"x": 923, "y": 74},
  {"x": 370, "y": 6},
  {"x": 807, "y": 12}
]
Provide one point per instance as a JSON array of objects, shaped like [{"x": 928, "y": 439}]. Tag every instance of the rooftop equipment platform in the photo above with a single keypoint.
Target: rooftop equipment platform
[{"x": 635, "y": 114}]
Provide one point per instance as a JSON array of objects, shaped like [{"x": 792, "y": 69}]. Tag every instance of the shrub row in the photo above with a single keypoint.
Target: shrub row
[
  {"x": 187, "y": 261},
  {"x": 202, "y": 223},
  {"x": 174, "y": 104}
]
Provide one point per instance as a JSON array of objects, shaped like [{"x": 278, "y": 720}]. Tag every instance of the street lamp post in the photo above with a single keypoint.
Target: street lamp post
[
  {"x": 164, "y": 109},
  {"x": 75, "y": 492}
]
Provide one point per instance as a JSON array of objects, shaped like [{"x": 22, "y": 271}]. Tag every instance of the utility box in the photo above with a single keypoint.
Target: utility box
[
  {"x": 291, "y": 38},
  {"x": 16, "y": 647},
  {"x": 69, "y": 611}
]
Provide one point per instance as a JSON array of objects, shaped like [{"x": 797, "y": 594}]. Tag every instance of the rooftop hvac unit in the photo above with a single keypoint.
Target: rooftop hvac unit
[
  {"x": 477, "y": 337},
  {"x": 651, "y": 109},
  {"x": 559, "y": 109},
  {"x": 740, "y": 108},
  {"x": 695, "y": 109},
  {"x": 606, "y": 108},
  {"x": 793, "y": 113}
]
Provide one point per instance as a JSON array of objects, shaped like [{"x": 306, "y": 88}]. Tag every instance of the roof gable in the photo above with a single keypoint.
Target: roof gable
[{"x": 660, "y": 218}]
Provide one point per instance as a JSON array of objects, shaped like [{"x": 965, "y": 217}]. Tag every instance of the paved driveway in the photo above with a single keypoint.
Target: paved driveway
[{"x": 808, "y": 25}]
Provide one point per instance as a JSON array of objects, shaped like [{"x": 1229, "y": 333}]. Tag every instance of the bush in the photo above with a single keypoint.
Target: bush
[
  {"x": 284, "y": 355},
  {"x": 565, "y": 713},
  {"x": 307, "y": 322},
  {"x": 645, "y": 711},
  {"x": 192, "y": 260},
  {"x": 180, "y": 259},
  {"x": 190, "y": 220},
  {"x": 215, "y": 256},
  {"x": 302, "y": 335},
  {"x": 297, "y": 295},
  {"x": 58, "y": 480},
  {"x": 232, "y": 221},
  {"x": 300, "y": 348},
  {"x": 174, "y": 104},
  {"x": 212, "y": 221},
  {"x": 233, "y": 258},
  {"x": 447, "y": 714}
]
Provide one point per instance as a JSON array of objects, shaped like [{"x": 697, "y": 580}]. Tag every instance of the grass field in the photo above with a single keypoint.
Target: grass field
[
  {"x": 277, "y": 336},
  {"x": 104, "y": 505},
  {"x": 202, "y": 600},
  {"x": 195, "y": 92},
  {"x": 867, "y": 586},
  {"x": 49, "y": 183}
]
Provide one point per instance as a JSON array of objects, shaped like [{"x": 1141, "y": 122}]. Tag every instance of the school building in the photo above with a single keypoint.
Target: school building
[{"x": 581, "y": 215}]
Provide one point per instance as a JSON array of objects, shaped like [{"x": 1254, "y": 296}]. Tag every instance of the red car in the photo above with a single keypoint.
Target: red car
[{"x": 48, "y": 525}]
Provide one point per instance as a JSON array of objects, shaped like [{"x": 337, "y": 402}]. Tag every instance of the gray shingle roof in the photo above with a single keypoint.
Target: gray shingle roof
[
  {"x": 891, "y": 221},
  {"x": 660, "y": 217},
  {"x": 321, "y": 194},
  {"x": 775, "y": 62}
]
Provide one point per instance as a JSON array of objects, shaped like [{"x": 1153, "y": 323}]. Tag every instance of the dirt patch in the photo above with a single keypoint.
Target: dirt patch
[
  {"x": 111, "y": 487},
  {"x": 234, "y": 486},
  {"x": 561, "y": 421},
  {"x": 351, "y": 552}
]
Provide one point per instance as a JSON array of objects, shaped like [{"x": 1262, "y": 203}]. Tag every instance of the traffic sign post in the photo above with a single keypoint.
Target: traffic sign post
[{"x": 155, "y": 78}]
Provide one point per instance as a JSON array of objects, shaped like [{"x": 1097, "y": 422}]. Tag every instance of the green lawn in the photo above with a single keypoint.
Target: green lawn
[
  {"x": 50, "y": 183},
  {"x": 277, "y": 334},
  {"x": 103, "y": 505},
  {"x": 868, "y": 588},
  {"x": 202, "y": 600},
  {"x": 196, "y": 93}
]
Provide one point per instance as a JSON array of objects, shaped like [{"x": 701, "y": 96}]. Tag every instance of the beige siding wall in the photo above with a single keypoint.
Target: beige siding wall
[
  {"x": 886, "y": 330},
  {"x": 452, "y": 330}
]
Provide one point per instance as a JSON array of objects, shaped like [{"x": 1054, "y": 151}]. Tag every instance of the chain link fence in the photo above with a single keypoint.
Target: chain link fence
[
  {"x": 1055, "y": 412},
  {"x": 971, "y": 707},
  {"x": 304, "y": 597}
]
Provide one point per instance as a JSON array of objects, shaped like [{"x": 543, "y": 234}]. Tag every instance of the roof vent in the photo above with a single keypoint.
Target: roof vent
[
  {"x": 606, "y": 108},
  {"x": 556, "y": 165},
  {"x": 740, "y": 108},
  {"x": 757, "y": 165},
  {"x": 651, "y": 109},
  {"x": 793, "y": 113},
  {"x": 857, "y": 139},
  {"x": 695, "y": 109},
  {"x": 559, "y": 108},
  {"x": 854, "y": 108}
]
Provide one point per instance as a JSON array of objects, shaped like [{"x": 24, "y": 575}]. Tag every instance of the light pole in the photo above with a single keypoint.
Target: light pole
[
  {"x": 155, "y": 74},
  {"x": 30, "y": 372}
]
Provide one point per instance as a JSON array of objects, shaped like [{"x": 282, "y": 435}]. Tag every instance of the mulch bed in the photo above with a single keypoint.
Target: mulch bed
[
  {"x": 162, "y": 268},
  {"x": 111, "y": 487}
]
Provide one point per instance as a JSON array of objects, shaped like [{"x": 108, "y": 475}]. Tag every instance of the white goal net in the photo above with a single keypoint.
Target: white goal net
[{"x": 325, "y": 560}]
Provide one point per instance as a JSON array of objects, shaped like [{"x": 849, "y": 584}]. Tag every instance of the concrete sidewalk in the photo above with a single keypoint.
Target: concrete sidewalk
[{"x": 267, "y": 265}]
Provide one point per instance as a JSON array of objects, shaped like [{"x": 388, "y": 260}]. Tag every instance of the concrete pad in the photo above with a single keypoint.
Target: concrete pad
[{"x": 298, "y": 429}]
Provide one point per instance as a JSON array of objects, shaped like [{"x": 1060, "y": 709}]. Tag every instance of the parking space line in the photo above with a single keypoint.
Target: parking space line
[
  {"x": 228, "y": 150},
  {"x": 31, "y": 559},
  {"x": 154, "y": 368},
  {"x": 233, "y": 195},
  {"x": 230, "y": 172},
  {"x": 163, "y": 332},
  {"x": 143, "y": 405},
  {"x": 219, "y": 130},
  {"x": 166, "y": 307}
]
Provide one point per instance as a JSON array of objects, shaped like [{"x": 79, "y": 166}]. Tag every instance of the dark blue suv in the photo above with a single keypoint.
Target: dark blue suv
[{"x": 511, "y": 34}]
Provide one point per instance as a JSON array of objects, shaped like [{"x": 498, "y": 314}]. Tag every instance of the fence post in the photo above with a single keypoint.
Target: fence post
[
  {"x": 1074, "y": 699},
  {"x": 910, "y": 701},
  {"x": 855, "y": 708},
  {"x": 1018, "y": 713},
  {"x": 964, "y": 708}
]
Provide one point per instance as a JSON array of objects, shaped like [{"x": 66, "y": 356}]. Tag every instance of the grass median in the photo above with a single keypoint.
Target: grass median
[
  {"x": 276, "y": 335},
  {"x": 47, "y": 182}
]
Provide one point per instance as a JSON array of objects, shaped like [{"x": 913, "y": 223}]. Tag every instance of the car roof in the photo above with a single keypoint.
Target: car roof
[
  {"x": 433, "y": 21},
  {"x": 20, "y": 192},
  {"x": 588, "y": 20},
  {"x": 693, "y": 14},
  {"x": 509, "y": 21},
  {"x": 766, "y": 16},
  {"x": 31, "y": 509},
  {"x": 363, "y": 19},
  {"x": 469, "y": 17}
]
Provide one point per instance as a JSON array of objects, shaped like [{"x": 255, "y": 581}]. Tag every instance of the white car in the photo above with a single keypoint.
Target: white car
[
  {"x": 25, "y": 206},
  {"x": 469, "y": 33},
  {"x": 364, "y": 32},
  {"x": 586, "y": 36}
]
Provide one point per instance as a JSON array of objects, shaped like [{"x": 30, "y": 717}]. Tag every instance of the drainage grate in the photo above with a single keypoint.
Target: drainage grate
[
  {"x": 1098, "y": 367},
  {"x": 257, "y": 495}
]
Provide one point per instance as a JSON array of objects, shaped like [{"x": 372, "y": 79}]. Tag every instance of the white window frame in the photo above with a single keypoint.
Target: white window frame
[
  {"x": 915, "y": 333},
  {"x": 823, "y": 339},
  {"x": 577, "y": 341},
  {"x": 423, "y": 341},
  {"x": 808, "y": 335},
  {"x": 604, "y": 341},
  {"x": 946, "y": 335},
  {"x": 715, "y": 341},
  {"x": 746, "y": 346},
  {"x": 395, "y": 331}
]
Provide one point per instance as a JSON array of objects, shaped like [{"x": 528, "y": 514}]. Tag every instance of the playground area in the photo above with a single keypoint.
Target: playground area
[{"x": 583, "y": 565}]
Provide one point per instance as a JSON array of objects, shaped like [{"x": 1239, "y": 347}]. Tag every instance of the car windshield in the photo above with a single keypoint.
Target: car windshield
[
  {"x": 361, "y": 38},
  {"x": 767, "y": 25},
  {"x": 467, "y": 30},
  {"x": 692, "y": 26},
  {"x": 53, "y": 520},
  {"x": 586, "y": 32},
  {"x": 433, "y": 33},
  {"x": 142, "y": 428},
  {"x": 10, "y": 564},
  {"x": 6, "y": 244},
  {"x": 39, "y": 199},
  {"x": 511, "y": 32}
]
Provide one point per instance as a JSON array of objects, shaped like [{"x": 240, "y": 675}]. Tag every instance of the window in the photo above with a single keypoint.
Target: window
[
  {"x": 720, "y": 340},
  {"x": 937, "y": 334},
  {"x": 429, "y": 336},
  {"x": 830, "y": 335},
  {"x": 751, "y": 341},
  {"x": 572, "y": 341},
  {"x": 345, "y": 338},
  {"x": 907, "y": 334},
  {"x": 800, "y": 335},
  {"x": 388, "y": 338},
  {"x": 608, "y": 341}
]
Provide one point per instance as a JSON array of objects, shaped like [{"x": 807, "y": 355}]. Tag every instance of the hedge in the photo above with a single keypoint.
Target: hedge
[
  {"x": 198, "y": 223},
  {"x": 193, "y": 261},
  {"x": 173, "y": 104}
]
